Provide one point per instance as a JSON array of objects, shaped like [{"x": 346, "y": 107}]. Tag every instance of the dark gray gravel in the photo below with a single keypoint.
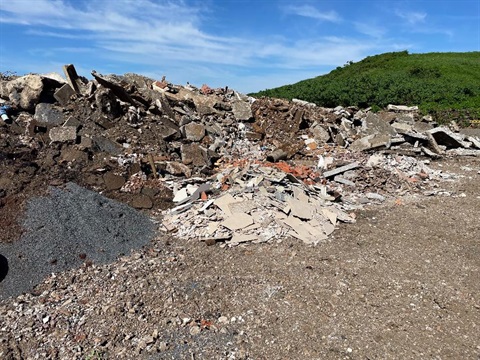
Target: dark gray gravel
[{"x": 70, "y": 226}]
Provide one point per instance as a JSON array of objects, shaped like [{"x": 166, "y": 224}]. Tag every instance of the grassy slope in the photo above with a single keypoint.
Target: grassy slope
[{"x": 438, "y": 82}]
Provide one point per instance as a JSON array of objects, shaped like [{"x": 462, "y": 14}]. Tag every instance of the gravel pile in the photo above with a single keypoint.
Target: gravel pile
[{"x": 65, "y": 229}]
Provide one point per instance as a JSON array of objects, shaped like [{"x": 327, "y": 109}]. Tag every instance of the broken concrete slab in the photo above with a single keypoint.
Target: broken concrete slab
[
  {"x": 181, "y": 195},
  {"x": 245, "y": 206},
  {"x": 73, "y": 79},
  {"x": 463, "y": 152},
  {"x": 237, "y": 221},
  {"x": 341, "y": 169},
  {"x": 391, "y": 107},
  {"x": 430, "y": 153},
  {"x": 301, "y": 209},
  {"x": 421, "y": 126},
  {"x": 241, "y": 238},
  {"x": 401, "y": 127},
  {"x": 117, "y": 89},
  {"x": 64, "y": 94},
  {"x": 320, "y": 134},
  {"x": 330, "y": 215},
  {"x": 376, "y": 125},
  {"x": 370, "y": 142},
  {"x": 475, "y": 141},
  {"x": 433, "y": 143},
  {"x": 444, "y": 136},
  {"x": 343, "y": 181},
  {"x": 375, "y": 196}
]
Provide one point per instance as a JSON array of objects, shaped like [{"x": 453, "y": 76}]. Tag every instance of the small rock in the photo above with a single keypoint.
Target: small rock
[
  {"x": 222, "y": 320},
  {"x": 195, "y": 330},
  {"x": 113, "y": 181}
]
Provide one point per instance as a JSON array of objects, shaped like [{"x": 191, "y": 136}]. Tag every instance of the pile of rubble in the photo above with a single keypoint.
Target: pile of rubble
[{"x": 238, "y": 169}]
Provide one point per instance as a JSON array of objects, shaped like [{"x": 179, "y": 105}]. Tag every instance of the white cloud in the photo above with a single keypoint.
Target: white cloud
[
  {"x": 370, "y": 29},
  {"x": 172, "y": 38},
  {"x": 411, "y": 17},
  {"x": 312, "y": 12}
]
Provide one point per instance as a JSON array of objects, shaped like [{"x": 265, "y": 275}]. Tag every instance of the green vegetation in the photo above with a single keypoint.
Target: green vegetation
[{"x": 442, "y": 84}]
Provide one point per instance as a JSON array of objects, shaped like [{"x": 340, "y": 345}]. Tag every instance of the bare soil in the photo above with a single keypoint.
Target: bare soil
[{"x": 401, "y": 283}]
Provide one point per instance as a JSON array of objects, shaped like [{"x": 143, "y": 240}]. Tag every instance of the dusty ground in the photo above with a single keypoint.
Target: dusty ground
[{"x": 401, "y": 283}]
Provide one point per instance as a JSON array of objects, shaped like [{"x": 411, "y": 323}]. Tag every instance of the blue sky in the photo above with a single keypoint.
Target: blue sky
[{"x": 249, "y": 45}]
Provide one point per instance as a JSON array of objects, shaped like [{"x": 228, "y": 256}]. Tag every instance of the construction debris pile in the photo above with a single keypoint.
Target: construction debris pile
[{"x": 216, "y": 164}]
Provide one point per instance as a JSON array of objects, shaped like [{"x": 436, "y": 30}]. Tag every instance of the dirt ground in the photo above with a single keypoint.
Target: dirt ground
[{"x": 401, "y": 283}]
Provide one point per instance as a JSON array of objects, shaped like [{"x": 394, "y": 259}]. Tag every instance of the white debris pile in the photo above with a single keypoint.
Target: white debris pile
[
  {"x": 255, "y": 202},
  {"x": 263, "y": 204}
]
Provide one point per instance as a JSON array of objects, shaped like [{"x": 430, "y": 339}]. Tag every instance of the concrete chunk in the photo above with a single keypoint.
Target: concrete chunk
[
  {"x": 48, "y": 114},
  {"x": 193, "y": 131},
  {"x": 62, "y": 134},
  {"x": 242, "y": 110}
]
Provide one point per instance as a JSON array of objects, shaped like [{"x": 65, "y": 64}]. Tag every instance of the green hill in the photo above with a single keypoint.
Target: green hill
[{"x": 443, "y": 84}]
